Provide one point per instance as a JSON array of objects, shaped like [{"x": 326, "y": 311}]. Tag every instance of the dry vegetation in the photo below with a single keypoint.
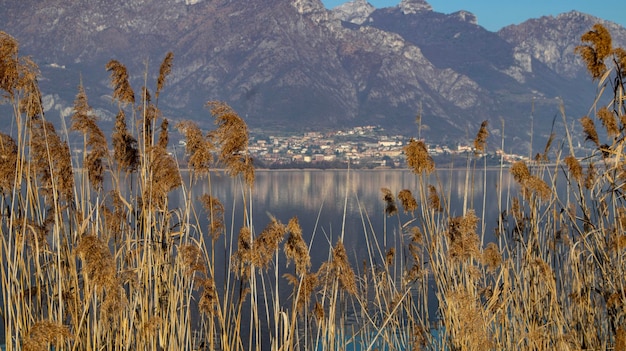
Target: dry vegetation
[{"x": 95, "y": 258}]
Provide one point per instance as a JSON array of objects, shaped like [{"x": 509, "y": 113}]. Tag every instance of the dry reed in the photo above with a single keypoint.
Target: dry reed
[
  {"x": 417, "y": 157},
  {"x": 44, "y": 333},
  {"x": 480, "y": 142},
  {"x": 215, "y": 214},
  {"x": 122, "y": 91},
  {"x": 199, "y": 148},
  {"x": 296, "y": 248},
  {"x": 232, "y": 137},
  {"x": 390, "y": 201},
  {"x": 599, "y": 48},
  {"x": 125, "y": 149},
  {"x": 85, "y": 121},
  {"x": 114, "y": 270},
  {"x": 8, "y": 163}
]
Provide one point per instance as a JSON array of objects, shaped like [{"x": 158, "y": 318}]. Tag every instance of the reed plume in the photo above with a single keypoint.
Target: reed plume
[
  {"x": 209, "y": 297},
  {"x": 598, "y": 49},
  {"x": 43, "y": 333},
  {"x": 192, "y": 259},
  {"x": 51, "y": 160},
  {"x": 409, "y": 204},
  {"x": 30, "y": 101},
  {"x": 390, "y": 201},
  {"x": 8, "y": 163},
  {"x": 480, "y": 142},
  {"x": 99, "y": 263},
  {"x": 608, "y": 121},
  {"x": 341, "y": 269},
  {"x": 575, "y": 169},
  {"x": 265, "y": 244},
  {"x": 590, "y": 177},
  {"x": 417, "y": 157},
  {"x": 125, "y": 150},
  {"x": 434, "y": 201},
  {"x": 85, "y": 121},
  {"x": 307, "y": 285},
  {"x": 536, "y": 186},
  {"x": 296, "y": 248},
  {"x": 164, "y": 137},
  {"x": 164, "y": 70},
  {"x": 122, "y": 91},
  {"x": 464, "y": 242},
  {"x": 520, "y": 171},
  {"x": 531, "y": 185},
  {"x": 9, "y": 62},
  {"x": 199, "y": 148},
  {"x": 242, "y": 258},
  {"x": 620, "y": 58},
  {"x": 215, "y": 211},
  {"x": 492, "y": 257},
  {"x": 150, "y": 114},
  {"x": 100, "y": 269},
  {"x": 164, "y": 170},
  {"x": 232, "y": 138},
  {"x": 115, "y": 218},
  {"x": 589, "y": 129}
]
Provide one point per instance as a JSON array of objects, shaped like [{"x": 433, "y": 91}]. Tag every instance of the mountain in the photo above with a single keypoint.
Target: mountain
[
  {"x": 552, "y": 40},
  {"x": 293, "y": 65}
]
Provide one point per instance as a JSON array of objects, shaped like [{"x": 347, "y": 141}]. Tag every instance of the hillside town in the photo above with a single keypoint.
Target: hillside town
[{"x": 361, "y": 147}]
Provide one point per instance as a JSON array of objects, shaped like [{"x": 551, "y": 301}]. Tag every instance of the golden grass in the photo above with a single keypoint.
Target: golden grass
[{"x": 105, "y": 261}]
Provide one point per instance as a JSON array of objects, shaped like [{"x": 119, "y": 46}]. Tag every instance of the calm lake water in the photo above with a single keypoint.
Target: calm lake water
[{"x": 318, "y": 198}]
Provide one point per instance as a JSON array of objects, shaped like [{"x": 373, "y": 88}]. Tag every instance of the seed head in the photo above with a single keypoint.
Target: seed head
[
  {"x": 409, "y": 204},
  {"x": 433, "y": 199},
  {"x": 589, "y": 129},
  {"x": 232, "y": 138},
  {"x": 215, "y": 211},
  {"x": 575, "y": 169},
  {"x": 481, "y": 138},
  {"x": 296, "y": 248},
  {"x": 122, "y": 90},
  {"x": 598, "y": 49},
  {"x": 391, "y": 208},
  {"x": 417, "y": 157}
]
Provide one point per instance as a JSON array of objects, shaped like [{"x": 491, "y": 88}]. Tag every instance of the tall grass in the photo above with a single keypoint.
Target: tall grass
[{"x": 94, "y": 256}]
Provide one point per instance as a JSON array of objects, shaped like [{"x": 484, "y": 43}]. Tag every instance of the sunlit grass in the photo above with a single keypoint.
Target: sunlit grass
[{"x": 94, "y": 256}]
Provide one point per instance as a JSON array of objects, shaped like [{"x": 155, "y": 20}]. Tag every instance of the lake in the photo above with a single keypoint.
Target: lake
[{"x": 318, "y": 199}]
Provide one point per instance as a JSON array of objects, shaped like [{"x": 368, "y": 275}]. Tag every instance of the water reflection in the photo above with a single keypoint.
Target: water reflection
[{"x": 318, "y": 199}]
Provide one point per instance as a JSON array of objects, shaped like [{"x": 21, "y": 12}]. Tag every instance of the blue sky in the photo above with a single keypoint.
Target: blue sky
[{"x": 495, "y": 14}]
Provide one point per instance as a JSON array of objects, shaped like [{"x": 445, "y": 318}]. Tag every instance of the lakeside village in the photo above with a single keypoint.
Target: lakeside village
[{"x": 361, "y": 147}]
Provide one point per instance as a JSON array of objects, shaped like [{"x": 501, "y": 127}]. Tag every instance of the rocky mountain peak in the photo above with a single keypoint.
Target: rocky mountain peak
[
  {"x": 552, "y": 39},
  {"x": 466, "y": 16},
  {"x": 355, "y": 11},
  {"x": 292, "y": 64},
  {"x": 414, "y": 6},
  {"x": 308, "y": 6}
]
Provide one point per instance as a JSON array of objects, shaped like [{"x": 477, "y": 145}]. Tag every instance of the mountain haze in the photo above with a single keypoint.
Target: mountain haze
[{"x": 293, "y": 65}]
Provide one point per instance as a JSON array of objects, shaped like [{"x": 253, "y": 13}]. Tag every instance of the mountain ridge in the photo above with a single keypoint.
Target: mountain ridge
[{"x": 294, "y": 65}]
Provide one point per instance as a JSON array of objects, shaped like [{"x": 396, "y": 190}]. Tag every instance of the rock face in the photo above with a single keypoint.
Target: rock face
[
  {"x": 356, "y": 11},
  {"x": 293, "y": 65},
  {"x": 552, "y": 40},
  {"x": 409, "y": 7}
]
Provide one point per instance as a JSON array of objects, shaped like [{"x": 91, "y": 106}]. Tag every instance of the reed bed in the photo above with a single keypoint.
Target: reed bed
[{"x": 95, "y": 257}]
